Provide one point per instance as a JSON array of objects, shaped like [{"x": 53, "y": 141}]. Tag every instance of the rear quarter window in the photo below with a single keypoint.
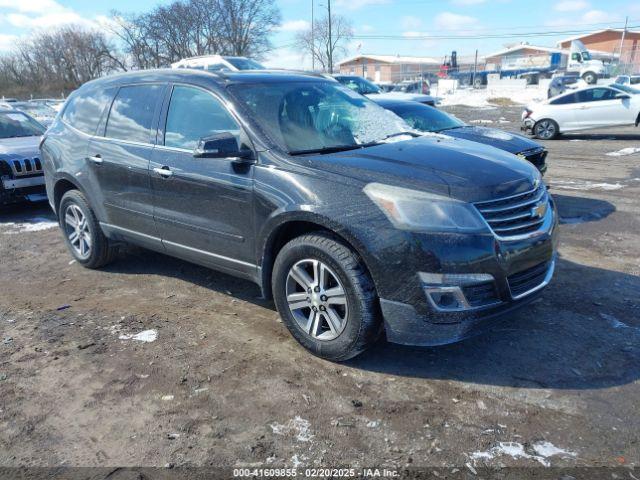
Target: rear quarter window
[{"x": 84, "y": 109}]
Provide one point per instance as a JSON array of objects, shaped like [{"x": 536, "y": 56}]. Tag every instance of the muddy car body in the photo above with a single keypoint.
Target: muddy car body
[{"x": 353, "y": 223}]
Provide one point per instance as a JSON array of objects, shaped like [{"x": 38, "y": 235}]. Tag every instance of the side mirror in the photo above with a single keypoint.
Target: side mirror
[
  {"x": 622, "y": 96},
  {"x": 221, "y": 145}
]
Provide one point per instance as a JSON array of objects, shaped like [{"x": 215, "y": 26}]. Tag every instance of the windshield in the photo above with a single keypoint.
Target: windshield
[
  {"x": 244, "y": 63},
  {"x": 626, "y": 89},
  {"x": 307, "y": 117},
  {"x": 425, "y": 118},
  {"x": 18, "y": 125},
  {"x": 360, "y": 85},
  {"x": 403, "y": 87}
]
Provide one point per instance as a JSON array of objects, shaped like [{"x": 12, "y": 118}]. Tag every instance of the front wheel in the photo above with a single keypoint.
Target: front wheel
[
  {"x": 590, "y": 78},
  {"x": 546, "y": 129},
  {"x": 325, "y": 297}
]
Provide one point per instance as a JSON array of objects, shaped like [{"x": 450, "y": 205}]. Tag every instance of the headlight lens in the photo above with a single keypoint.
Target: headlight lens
[{"x": 424, "y": 212}]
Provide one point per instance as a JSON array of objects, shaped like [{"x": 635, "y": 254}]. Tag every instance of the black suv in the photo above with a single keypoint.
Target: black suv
[{"x": 357, "y": 224}]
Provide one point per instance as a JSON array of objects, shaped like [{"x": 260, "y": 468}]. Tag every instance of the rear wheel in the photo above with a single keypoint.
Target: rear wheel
[
  {"x": 325, "y": 297},
  {"x": 82, "y": 232},
  {"x": 546, "y": 129}
]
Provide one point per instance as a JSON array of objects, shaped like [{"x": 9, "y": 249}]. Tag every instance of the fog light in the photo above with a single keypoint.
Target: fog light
[{"x": 444, "y": 291}]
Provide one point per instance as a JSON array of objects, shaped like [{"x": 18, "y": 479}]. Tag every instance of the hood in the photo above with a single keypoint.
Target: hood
[
  {"x": 510, "y": 142},
  {"x": 410, "y": 97},
  {"x": 467, "y": 171},
  {"x": 23, "y": 147}
]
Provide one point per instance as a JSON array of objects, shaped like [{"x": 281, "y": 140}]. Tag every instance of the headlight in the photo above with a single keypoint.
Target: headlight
[{"x": 422, "y": 212}]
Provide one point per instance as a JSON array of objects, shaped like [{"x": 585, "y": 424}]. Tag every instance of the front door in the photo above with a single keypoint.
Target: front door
[
  {"x": 203, "y": 207},
  {"x": 599, "y": 107}
]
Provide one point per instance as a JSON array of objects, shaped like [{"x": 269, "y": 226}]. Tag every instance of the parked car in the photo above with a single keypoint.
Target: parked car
[
  {"x": 54, "y": 103},
  {"x": 428, "y": 119},
  {"x": 354, "y": 223},
  {"x": 216, "y": 63},
  {"x": 583, "y": 109},
  {"x": 561, "y": 84},
  {"x": 39, "y": 111},
  {"x": 413, "y": 87},
  {"x": 385, "y": 87},
  {"x": 628, "y": 80},
  {"x": 371, "y": 90},
  {"x": 20, "y": 166}
]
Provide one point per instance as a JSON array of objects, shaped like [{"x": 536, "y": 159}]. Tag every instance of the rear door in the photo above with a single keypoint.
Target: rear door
[
  {"x": 203, "y": 206},
  {"x": 119, "y": 158}
]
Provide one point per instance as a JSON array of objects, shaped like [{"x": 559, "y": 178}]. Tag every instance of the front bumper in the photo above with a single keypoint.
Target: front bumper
[
  {"x": 478, "y": 280},
  {"x": 17, "y": 190}
]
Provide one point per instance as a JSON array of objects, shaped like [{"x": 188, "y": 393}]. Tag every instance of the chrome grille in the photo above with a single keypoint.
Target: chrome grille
[
  {"x": 26, "y": 167},
  {"x": 517, "y": 215}
]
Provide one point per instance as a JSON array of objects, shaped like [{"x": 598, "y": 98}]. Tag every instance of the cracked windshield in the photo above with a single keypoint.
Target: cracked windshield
[{"x": 317, "y": 117}]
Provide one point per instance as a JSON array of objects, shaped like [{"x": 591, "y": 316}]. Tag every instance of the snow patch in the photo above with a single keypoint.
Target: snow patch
[
  {"x": 299, "y": 427},
  {"x": 37, "y": 224},
  {"x": 482, "y": 122},
  {"x": 548, "y": 449},
  {"x": 615, "y": 323},
  {"x": 146, "y": 336},
  {"x": 543, "y": 450},
  {"x": 624, "y": 152},
  {"x": 585, "y": 185}
]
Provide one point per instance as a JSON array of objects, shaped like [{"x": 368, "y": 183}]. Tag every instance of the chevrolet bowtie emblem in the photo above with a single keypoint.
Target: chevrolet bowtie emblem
[{"x": 539, "y": 210}]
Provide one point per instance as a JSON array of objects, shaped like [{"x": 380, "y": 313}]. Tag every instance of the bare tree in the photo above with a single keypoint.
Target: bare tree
[
  {"x": 187, "y": 28},
  {"x": 316, "y": 43},
  {"x": 58, "y": 60}
]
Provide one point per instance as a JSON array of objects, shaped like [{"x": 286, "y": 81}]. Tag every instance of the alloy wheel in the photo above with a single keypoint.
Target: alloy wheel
[
  {"x": 317, "y": 300},
  {"x": 546, "y": 130},
  {"x": 77, "y": 231}
]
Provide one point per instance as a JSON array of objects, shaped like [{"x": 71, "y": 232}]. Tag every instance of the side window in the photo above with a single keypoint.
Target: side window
[
  {"x": 596, "y": 95},
  {"x": 565, "y": 100},
  {"x": 132, "y": 112},
  {"x": 194, "y": 114},
  {"x": 85, "y": 109},
  {"x": 635, "y": 80}
]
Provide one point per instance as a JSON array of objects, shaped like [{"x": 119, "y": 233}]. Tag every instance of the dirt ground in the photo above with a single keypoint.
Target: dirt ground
[{"x": 220, "y": 381}]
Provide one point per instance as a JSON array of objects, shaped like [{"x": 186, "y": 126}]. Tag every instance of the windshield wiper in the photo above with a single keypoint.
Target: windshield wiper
[{"x": 340, "y": 148}]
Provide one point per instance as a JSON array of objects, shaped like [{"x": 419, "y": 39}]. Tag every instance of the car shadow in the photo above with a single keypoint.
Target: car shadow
[
  {"x": 26, "y": 213},
  {"x": 583, "y": 333},
  {"x": 582, "y": 209},
  {"x": 600, "y": 136}
]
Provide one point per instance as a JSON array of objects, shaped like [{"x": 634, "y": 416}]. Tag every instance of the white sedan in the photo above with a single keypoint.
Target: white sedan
[{"x": 583, "y": 109}]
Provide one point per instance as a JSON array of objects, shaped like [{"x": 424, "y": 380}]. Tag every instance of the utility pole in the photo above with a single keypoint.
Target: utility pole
[
  {"x": 624, "y": 34},
  {"x": 313, "y": 41},
  {"x": 330, "y": 39}
]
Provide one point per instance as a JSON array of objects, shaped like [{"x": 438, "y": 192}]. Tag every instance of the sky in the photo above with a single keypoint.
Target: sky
[{"x": 411, "y": 23}]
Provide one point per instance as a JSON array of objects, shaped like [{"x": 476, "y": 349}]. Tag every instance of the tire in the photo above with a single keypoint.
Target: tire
[
  {"x": 87, "y": 243},
  {"x": 590, "y": 77},
  {"x": 358, "y": 323},
  {"x": 546, "y": 129}
]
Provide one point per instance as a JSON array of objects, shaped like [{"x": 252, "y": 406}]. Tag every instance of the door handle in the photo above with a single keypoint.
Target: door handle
[
  {"x": 163, "y": 172},
  {"x": 97, "y": 159}
]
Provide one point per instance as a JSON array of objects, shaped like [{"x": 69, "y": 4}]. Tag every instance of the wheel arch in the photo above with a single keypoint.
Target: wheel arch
[
  {"x": 292, "y": 225},
  {"x": 61, "y": 186}
]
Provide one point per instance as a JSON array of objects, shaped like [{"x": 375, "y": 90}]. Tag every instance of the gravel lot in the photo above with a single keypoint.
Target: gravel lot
[{"x": 220, "y": 381}]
